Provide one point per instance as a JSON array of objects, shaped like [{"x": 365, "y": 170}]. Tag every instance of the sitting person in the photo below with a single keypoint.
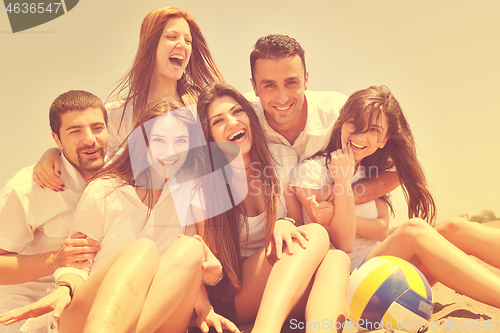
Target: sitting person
[
  {"x": 152, "y": 283},
  {"x": 35, "y": 221},
  {"x": 262, "y": 280},
  {"x": 372, "y": 135}
]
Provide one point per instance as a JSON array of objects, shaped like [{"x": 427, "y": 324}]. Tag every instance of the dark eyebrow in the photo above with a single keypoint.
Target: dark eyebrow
[
  {"x": 80, "y": 126},
  {"x": 264, "y": 81},
  {"x": 220, "y": 114},
  {"x": 73, "y": 127}
]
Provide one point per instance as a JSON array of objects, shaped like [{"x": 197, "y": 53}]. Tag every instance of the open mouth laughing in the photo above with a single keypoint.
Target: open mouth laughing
[
  {"x": 237, "y": 136},
  {"x": 176, "y": 60}
]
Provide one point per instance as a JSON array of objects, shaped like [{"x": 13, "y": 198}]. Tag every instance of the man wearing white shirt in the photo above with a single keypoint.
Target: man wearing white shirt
[
  {"x": 291, "y": 115},
  {"x": 35, "y": 221}
]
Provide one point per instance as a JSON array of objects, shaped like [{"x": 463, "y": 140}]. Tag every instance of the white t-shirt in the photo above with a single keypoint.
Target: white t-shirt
[
  {"x": 314, "y": 174},
  {"x": 322, "y": 111},
  {"x": 121, "y": 123},
  {"x": 115, "y": 216},
  {"x": 35, "y": 220},
  {"x": 252, "y": 237}
]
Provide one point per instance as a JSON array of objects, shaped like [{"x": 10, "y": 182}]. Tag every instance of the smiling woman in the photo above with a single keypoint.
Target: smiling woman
[
  {"x": 372, "y": 131},
  {"x": 268, "y": 260}
]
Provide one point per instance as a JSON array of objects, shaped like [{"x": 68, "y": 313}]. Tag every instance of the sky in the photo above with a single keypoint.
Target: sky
[{"x": 441, "y": 60}]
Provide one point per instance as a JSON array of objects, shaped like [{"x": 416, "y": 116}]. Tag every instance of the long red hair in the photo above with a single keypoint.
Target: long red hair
[{"x": 201, "y": 70}]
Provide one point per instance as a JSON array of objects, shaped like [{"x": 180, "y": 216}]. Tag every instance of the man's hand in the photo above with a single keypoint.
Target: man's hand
[
  {"x": 76, "y": 251},
  {"x": 56, "y": 301},
  {"x": 326, "y": 193}
]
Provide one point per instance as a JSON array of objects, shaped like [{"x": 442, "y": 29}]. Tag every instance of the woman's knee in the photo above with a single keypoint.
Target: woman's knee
[
  {"x": 186, "y": 251},
  {"x": 452, "y": 227},
  {"x": 144, "y": 252},
  {"x": 318, "y": 236},
  {"x": 338, "y": 258},
  {"x": 414, "y": 228}
]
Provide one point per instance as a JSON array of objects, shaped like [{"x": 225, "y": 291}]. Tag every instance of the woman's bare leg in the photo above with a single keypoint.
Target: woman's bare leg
[
  {"x": 418, "y": 243},
  {"x": 172, "y": 295},
  {"x": 475, "y": 239},
  {"x": 326, "y": 304},
  {"x": 112, "y": 298},
  {"x": 281, "y": 285}
]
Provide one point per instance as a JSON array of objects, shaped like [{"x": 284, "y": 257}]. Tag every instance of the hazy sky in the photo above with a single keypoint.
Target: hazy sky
[{"x": 441, "y": 59}]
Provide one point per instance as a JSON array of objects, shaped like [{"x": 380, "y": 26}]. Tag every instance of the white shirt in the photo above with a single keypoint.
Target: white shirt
[
  {"x": 115, "y": 216},
  {"x": 313, "y": 174},
  {"x": 252, "y": 237},
  {"x": 35, "y": 220},
  {"x": 322, "y": 111},
  {"x": 121, "y": 123}
]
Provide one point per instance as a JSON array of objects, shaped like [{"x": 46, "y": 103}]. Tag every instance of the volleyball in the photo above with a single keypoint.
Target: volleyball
[{"x": 389, "y": 293}]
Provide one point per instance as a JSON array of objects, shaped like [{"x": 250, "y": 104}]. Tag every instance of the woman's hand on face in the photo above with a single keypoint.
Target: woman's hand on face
[
  {"x": 285, "y": 231},
  {"x": 212, "y": 268},
  {"x": 342, "y": 165},
  {"x": 47, "y": 171},
  {"x": 56, "y": 301},
  {"x": 322, "y": 211}
]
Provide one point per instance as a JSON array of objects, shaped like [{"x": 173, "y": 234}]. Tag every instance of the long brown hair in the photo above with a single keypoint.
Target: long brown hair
[
  {"x": 399, "y": 151},
  {"x": 134, "y": 168},
  {"x": 200, "y": 72},
  {"x": 222, "y": 232}
]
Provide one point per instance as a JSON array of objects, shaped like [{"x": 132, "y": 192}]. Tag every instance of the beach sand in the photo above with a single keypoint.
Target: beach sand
[{"x": 452, "y": 312}]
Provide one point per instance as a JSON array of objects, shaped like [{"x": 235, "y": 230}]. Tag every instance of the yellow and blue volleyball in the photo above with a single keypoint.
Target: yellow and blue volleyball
[{"x": 389, "y": 293}]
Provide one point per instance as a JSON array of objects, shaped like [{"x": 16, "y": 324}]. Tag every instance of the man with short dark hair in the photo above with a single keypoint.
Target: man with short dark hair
[
  {"x": 35, "y": 221},
  {"x": 293, "y": 116}
]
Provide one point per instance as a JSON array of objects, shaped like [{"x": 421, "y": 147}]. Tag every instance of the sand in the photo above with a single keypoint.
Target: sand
[{"x": 452, "y": 312}]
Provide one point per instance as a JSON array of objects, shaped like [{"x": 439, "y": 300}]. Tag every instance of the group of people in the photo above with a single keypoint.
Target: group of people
[{"x": 183, "y": 200}]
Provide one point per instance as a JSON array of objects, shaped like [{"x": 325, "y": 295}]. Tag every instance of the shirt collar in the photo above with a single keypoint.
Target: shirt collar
[
  {"x": 313, "y": 122},
  {"x": 73, "y": 176}
]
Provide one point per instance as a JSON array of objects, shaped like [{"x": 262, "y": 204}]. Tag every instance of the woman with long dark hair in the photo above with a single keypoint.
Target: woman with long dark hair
[
  {"x": 372, "y": 135},
  {"x": 268, "y": 261}
]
